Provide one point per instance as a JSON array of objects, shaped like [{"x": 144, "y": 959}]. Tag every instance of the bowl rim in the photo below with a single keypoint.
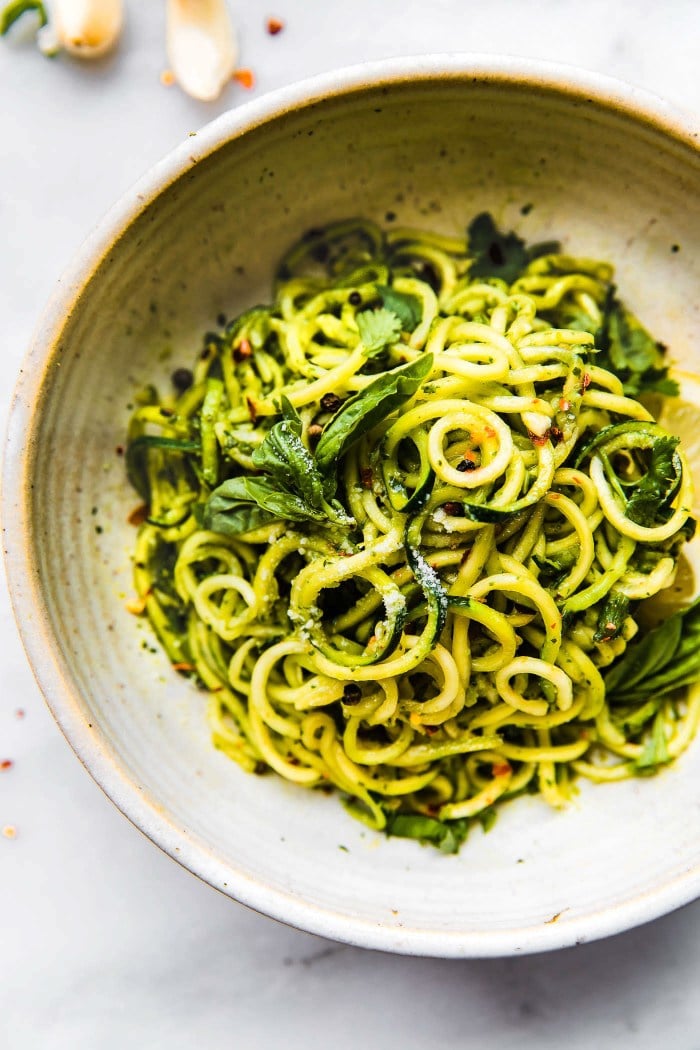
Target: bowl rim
[{"x": 37, "y": 637}]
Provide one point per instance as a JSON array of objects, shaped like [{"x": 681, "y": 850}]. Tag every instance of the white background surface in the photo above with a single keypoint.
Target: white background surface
[{"x": 104, "y": 942}]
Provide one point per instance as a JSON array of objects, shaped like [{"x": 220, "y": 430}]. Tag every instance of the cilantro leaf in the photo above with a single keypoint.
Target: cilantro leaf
[
  {"x": 495, "y": 254},
  {"x": 656, "y": 489},
  {"x": 407, "y": 308},
  {"x": 627, "y": 350},
  {"x": 378, "y": 329}
]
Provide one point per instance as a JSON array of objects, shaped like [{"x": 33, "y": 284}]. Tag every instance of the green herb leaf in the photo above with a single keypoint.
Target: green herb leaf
[
  {"x": 407, "y": 308},
  {"x": 241, "y": 504},
  {"x": 10, "y": 14},
  {"x": 630, "y": 352},
  {"x": 655, "y": 752},
  {"x": 662, "y": 661},
  {"x": 368, "y": 407},
  {"x": 378, "y": 329},
  {"x": 495, "y": 254},
  {"x": 291, "y": 487},
  {"x": 656, "y": 489},
  {"x": 447, "y": 837}
]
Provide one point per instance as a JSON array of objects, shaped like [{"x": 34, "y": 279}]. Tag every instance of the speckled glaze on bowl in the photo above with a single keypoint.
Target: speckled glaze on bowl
[{"x": 609, "y": 171}]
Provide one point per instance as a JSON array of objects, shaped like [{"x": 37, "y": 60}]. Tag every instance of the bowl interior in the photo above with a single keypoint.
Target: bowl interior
[{"x": 202, "y": 239}]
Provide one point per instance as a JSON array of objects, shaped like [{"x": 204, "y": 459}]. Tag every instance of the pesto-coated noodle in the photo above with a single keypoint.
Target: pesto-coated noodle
[{"x": 400, "y": 523}]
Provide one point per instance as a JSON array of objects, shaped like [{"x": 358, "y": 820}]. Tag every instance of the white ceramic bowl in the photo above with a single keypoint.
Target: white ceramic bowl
[{"x": 610, "y": 172}]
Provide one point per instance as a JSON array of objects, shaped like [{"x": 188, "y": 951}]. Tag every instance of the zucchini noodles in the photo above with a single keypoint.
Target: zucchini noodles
[{"x": 400, "y": 525}]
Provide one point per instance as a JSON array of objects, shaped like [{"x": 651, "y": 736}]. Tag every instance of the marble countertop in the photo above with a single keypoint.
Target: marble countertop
[{"x": 104, "y": 940}]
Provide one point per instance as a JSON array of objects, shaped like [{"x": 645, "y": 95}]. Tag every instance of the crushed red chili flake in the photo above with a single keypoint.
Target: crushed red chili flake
[
  {"x": 585, "y": 381},
  {"x": 20, "y": 712},
  {"x": 183, "y": 667},
  {"x": 539, "y": 439},
  {"x": 501, "y": 769},
  {"x": 274, "y": 26},
  {"x": 138, "y": 515},
  {"x": 366, "y": 477},
  {"x": 564, "y": 404},
  {"x": 252, "y": 409},
  {"x": 6, "y": 764},
  {"x": 245, "y": 77},
  {"x": 242, "y": 351}
]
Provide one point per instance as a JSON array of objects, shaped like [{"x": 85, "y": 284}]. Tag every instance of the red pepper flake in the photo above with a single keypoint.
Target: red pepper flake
[
  {"x": 586, "y": 381},
  {"x": 274, "y": 26},
  {"x": 366, "y": 477},
  {"x": 183, "y": 667},
  {"x": 20, "y": 712},
  {"x": 10, "y": 831},
  {"x": 6, "y": 764},
  {"x": 138, "y": 515},
  {"x": 539, "y": 439},
  {"x": 501, "y": 769},
  {"x": 489, "y": 432},
  {"x": 242, "y": 351},
  {"x": 245, "y": 78},
  {"x": 555, "y": 495},
  {"x": 252, "y": 409},
  {"x": 564, "y": 404}
]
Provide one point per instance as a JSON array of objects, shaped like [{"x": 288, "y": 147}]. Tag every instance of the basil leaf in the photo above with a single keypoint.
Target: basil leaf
[
  {"x": 407, "y": 308},
  {"x": 286, "y": 459},
  {"x": 655, "y": 752},
  {"x": 495, "y": 254},
  {"x": 228, "y": 509},
  {"x": 368, "y": 407},
  {"x": 664, "y": 660},
  {"x": 447, "y": 837},
  {"x": 378, "y": 329}
]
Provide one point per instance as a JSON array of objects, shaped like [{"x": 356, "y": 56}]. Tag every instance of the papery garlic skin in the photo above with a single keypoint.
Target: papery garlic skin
[
  {"x": 88, "y": 28},
  {"x": 202, "y": 46}
]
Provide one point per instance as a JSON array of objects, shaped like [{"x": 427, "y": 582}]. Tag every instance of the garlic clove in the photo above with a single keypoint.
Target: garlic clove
[
  {"x": 202, "y": 47},
  {"x": 88, "y": 28}
]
